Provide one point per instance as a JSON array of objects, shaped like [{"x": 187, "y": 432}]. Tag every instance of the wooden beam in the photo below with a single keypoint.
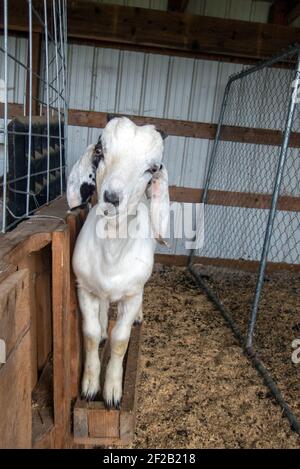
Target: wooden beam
[
  {"x": 36, "y": 62},
  {"x": 14, "y": 110},
  {"x": 163, "y": 30},
  {"x": 177, "y": 31},
  {"x": 177, "y": 5},
  {"x": 233, "y": 199},
  {"x": 237, "y": 264},
  {"x": 175, "y": 127},
  {"x": 188, "y": 128},
  {"x": 36, "y": 67}
]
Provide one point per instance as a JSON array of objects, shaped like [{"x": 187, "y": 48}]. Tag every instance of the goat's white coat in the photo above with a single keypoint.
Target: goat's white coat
[{"x": 114, "y": 269}]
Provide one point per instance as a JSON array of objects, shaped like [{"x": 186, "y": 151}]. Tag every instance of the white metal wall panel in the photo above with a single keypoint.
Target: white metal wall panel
[
  {"x": 105, "y": 74},
  {"x": 16, "y": 73},
  {"x": 80, "y": 73},
  {"x": 155, "y": 85},
  {"x": 179, "y": 88},
  {"x": 247, "y": 10},
  {"x": 130, "y": 82}
]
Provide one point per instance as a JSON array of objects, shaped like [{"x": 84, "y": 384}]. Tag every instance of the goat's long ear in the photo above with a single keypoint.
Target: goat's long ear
[
  {"x": 160, "y": 204},
  {"x": 82, "y": 179}
]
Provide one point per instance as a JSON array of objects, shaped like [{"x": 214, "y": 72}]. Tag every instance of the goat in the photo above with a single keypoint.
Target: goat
[{"x": 125, "y": 168}]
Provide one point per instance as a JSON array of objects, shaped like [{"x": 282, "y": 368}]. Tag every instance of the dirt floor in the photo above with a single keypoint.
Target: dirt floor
[{"x": 196, "y": 387}]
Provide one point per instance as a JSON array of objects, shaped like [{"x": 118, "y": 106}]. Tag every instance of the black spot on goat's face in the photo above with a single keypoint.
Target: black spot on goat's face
[
  {"x": 86, "y": 191},
  {"x": 98, "y": 155}
]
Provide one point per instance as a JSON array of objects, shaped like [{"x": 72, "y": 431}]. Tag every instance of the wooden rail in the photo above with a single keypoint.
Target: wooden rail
[
  {"x": 180, "y": 128},
  {"x": 185, "y": 128}
]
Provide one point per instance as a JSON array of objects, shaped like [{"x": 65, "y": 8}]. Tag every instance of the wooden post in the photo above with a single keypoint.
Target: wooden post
[
  {"x": 36, "y": 69},
  {"x": 61, "y": 336}
]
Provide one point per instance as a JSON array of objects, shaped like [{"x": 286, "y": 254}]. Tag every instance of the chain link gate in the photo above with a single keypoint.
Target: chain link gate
[{"x": 252, "y": 192}]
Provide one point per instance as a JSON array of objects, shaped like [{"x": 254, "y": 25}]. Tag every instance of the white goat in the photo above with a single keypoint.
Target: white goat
[{"x": 132, "y": 188}]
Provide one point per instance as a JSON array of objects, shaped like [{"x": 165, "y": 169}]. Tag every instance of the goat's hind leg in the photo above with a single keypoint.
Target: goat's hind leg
[{"x": 90, "y": 307}]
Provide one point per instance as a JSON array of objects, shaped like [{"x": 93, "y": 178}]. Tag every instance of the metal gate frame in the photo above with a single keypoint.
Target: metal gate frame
[{"x": 246, "y": 342}]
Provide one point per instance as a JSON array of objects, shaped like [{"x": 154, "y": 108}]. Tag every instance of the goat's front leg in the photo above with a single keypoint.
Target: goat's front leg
[
  {"x": 128, "y": 310},
  {"x": 89, "y": 305}
]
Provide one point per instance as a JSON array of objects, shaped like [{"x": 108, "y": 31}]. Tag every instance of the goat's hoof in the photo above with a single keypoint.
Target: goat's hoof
[
  {"x": 109, "y": 405},
  {"x": 90, "y": 386},
  {"x": 137, "y": 322},
  {"x": 103, "y": 338},
  {"x": 112, "y": 394}
]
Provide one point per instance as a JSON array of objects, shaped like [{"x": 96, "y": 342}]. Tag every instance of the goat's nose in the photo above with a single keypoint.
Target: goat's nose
[{"x": 112, "y": 198}]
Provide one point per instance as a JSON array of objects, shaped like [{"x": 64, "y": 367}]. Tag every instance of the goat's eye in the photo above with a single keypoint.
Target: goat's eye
[
  {"x": 97, "y": 156},
  {"x": 99, "y": 151}
]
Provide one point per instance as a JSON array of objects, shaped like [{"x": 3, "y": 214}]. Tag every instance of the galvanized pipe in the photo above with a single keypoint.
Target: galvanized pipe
[
  {"x": 58, "y": 102},
  {"x": 272, "y": 212},
  {"x": 47, "y": 99},
  {"x": 30, "y": 108},
  {"x": 5, "y": 166}
]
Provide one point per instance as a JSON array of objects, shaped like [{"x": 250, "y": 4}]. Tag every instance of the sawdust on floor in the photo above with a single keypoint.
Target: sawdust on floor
[{"x": 196, "y": 388}]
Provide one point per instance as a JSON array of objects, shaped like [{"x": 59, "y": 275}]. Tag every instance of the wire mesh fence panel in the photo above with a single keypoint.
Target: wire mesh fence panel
[
  {"x": 33, "y": 108},
  {"x": 252, "y": 219}
]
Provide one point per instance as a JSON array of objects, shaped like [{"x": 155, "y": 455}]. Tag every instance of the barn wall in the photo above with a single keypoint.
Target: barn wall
[
  {"x": 154, "y": 85},
  {"x": 145, "y": 84}
]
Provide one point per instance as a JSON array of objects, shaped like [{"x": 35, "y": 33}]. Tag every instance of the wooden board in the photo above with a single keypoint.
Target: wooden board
[
  {"x": 181, "y": 128},
  {"x": 180, "y": 32},
  {"x": 235, "y": 264},
  {"x": 184, "y": 128},
  {"x": 15, "y": 376},
  {"x": 233, "y": 199},
  {"x": 95, "y": 425},
  {"x": 61, "y": 335},
  {"x": 161, "y": 31}
]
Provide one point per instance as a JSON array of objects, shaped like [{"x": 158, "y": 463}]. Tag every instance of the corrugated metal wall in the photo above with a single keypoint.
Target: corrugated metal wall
[{"x": 143, "y": 84}]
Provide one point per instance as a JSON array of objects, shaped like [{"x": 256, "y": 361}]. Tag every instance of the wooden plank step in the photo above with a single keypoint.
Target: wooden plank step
[{"x": 97, "y": 426}]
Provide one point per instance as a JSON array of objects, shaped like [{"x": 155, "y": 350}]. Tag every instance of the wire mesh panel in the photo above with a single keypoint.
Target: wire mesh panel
[
  {"x": 252, "y": 214},
  {"x": 33, "y": 108},
  {"x": 245, "y": 172}
]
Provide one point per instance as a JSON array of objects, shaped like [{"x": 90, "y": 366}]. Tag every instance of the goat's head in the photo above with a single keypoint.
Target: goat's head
[{"x": 124, "y": 164}]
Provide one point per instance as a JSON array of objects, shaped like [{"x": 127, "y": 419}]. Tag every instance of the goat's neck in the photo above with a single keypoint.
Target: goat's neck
[{"x": 118, "y": 242}]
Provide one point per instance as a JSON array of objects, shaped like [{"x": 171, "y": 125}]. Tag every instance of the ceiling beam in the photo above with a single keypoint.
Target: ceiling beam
[{"x": 169, "y": 32}]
